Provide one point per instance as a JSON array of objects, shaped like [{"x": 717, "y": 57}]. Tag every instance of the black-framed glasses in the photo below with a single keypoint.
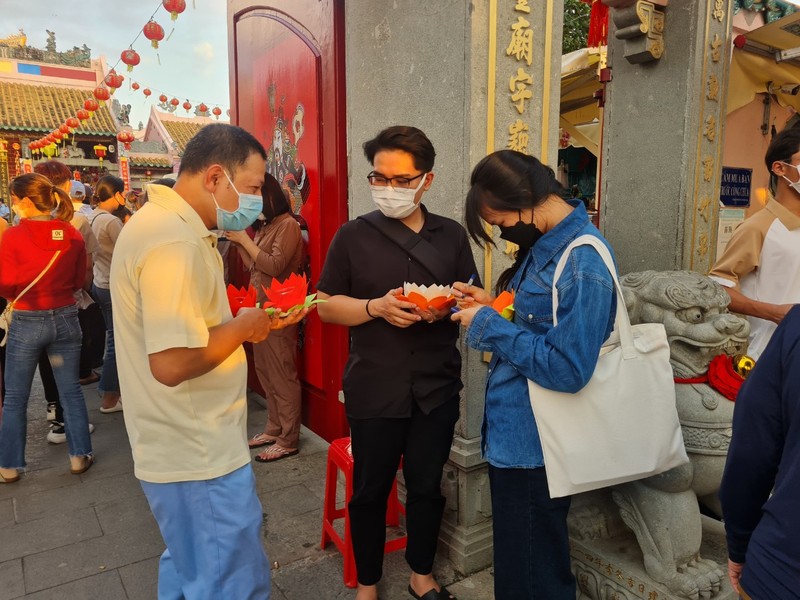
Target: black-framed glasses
[{"x": 397, "y": 182}]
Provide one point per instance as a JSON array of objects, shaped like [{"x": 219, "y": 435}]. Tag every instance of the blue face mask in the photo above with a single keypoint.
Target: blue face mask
[{"x": 250, "y": 206}]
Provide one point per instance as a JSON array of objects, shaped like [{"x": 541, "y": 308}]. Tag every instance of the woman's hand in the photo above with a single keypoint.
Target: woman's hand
[
  {"x": 468, "y": 295},
  {"x": 393, "y": 310},
  {"x": 237, "y": 237},
  {"x": 465, "y": 315},
  {"x": 431, "y": 315}
]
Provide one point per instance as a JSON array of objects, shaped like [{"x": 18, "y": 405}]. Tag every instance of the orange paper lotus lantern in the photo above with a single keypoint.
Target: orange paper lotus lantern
[
  {"x": 428, "y": 297},
  {"x": 175, "y": 7},
  {"x": 91, "y": 105},
  {"x": 131, "y": 58},
  {"x": 153, "y": 32},
  {"x": 102, "y": 94},
  {"x": 241, "y": 298}
]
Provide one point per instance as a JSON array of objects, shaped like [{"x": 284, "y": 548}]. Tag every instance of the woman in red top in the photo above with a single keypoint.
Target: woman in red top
[{"x": 45, "y": 316}]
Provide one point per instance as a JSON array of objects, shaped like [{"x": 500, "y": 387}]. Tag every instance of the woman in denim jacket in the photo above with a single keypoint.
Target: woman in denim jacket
[{"x": 523, "y": 198}]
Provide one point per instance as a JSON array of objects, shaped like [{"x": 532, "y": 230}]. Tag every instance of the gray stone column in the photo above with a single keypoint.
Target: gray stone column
[
  {"x": 475, "y": 76},
  {"x": 663, "y": 131}
]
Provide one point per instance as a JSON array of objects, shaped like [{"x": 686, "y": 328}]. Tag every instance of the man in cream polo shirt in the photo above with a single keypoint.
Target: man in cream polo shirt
[
  {"x": 183, "y": 369},
  {"x": 760, "y": 267}
]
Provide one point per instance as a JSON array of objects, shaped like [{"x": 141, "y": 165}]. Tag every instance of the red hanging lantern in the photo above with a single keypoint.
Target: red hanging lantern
[
  {"x": 102, "y": 94},
  {"x": 146, "y": 92},
  {"x": 91, "y": 105},
  {"x": 57, "y": 136},
  {"x": 130, "y": 57},
  {"x": 113, "y": 81},
  {"x": 125, "y": 137},
  {"x": 217, "y": 111},
  {"x": 72, "y": 123},
  {"x": 202, "y": 108},
  {"x": 134, "y": 86},
  {"x": 100, "y": 152},
  {"x": 64, "y": 129},
  {"x": 175, "y": 7},
  {"x": 187, "y": 106},
  {"x": 50, "y": 138},
  {"x": 153, "y": 32},
  {"x": 163, "y": 98},
  {"x": 83, "y": 114},
  {"x": 175, "y": 102}
]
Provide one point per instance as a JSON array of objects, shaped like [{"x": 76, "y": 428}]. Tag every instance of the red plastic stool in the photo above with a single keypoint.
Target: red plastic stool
[{"x": 340, "y": 458}]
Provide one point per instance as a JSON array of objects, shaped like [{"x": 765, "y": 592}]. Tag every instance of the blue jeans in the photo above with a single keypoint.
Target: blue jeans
[
  {"x": 59, "y": 334},
  {"x": 109, "y": 379},
  {"x": 212, "y": 530},
  {"x": 531, "y": 543}
]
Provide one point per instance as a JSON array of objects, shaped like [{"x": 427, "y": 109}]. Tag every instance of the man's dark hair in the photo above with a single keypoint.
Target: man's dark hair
[
  {"x": 408, "y": 139},
  {"x": 785, "y": 144},
  {"x": 219, "y": 144}
]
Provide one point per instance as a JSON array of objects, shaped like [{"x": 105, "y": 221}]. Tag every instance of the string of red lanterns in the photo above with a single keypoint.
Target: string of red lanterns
[{"x": 48, "y": 144}]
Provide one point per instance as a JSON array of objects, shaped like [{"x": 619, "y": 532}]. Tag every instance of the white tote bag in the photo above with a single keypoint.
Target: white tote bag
[{"x": 623, "y": 425}]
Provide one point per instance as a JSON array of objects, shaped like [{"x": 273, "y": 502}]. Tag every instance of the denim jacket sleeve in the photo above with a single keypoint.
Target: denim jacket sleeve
[{"x": 564, "y": 357}]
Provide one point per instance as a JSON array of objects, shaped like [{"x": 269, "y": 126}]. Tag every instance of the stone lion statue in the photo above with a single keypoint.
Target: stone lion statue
[{"x": 663, "y": 511}]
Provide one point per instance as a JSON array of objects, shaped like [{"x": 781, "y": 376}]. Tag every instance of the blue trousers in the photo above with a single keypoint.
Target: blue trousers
[
  {"x": 531, "y": 542},
  {"x": 212, "y": 530},
  {"x": 109, "y": 378}
]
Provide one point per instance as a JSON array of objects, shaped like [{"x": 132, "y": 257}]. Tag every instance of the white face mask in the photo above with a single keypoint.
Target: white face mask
[
  {"x": 396, "y": 203},
  {"x": 795, "y": 185}
]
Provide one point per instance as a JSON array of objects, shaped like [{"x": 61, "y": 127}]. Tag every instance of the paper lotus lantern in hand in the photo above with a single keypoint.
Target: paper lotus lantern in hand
[
  {"x": 504, "y": 304},
  {"x": 429, "y": 297},
  {"x": 241, "y": 298},
  {"x": 291, "y": 294}
]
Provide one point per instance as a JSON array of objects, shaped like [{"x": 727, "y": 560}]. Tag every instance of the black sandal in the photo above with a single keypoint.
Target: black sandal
[{"x": 432, "y": 594}]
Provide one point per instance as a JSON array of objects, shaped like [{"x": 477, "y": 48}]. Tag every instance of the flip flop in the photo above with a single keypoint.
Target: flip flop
[
  {"x": 432, "y": 594},
  {"x": 9, "y": 479},
  {"x": 86, "y": 465},
  {"x": 274, "y": 453},
  {"x": 259, "y": 440}
]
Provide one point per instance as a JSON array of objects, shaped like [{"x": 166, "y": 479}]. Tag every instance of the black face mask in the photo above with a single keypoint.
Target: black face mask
[{"x": 524, "y": 235}]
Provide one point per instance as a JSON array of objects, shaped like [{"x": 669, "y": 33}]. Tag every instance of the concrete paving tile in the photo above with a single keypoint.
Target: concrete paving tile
[
  {"x": 289, "y": 502},
  {"x": 300, "y": 469},
  {"x": 90, "y": 492},
  {"x": 127, "y": 517},
  {"x": 309, "y": 578},
  {"x": 40, "y": 480},
  {"x": 290, "y": 539},
  {"x": 70, "y": 563},
  {"x": 105, "y": 586},
  {"x": 13, "y": 582},
  {"x": 141, "y": 579},
  {"x": 6, "y": 512},
  {"x": 53, "y": 531},
  {"x": 474, "y": 587}
]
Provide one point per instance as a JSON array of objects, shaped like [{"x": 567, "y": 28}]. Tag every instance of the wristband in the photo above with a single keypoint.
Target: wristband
[{"x": 371, "y": 316}]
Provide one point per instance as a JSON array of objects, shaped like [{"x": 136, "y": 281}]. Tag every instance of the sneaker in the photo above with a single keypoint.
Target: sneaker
[
  {"x": 58, "y": 435},
  {"x": 51, "y": 411}
]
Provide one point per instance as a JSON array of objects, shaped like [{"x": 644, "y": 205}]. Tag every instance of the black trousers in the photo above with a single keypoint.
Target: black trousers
[{"x": 424, "y": 443}]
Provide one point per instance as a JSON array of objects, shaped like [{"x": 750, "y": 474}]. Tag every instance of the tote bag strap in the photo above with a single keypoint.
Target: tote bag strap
[
  {"x": 35, "y": 281},
  {"x": 622, "y": 322}
]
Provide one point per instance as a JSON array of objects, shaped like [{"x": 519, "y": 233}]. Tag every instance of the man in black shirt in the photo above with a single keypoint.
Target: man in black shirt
[{"x": 402, "y": 378}]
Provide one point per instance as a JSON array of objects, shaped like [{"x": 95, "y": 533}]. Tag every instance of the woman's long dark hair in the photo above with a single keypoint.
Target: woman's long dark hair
[
  {"x": 45, "y": 196},
  {"x": 108, "y": 186},
  {"x": 275, "y": 202},
  {"x": 508, "y": 181}
]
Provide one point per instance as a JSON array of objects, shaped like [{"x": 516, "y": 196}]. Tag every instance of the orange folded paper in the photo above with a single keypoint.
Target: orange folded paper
[
  {"x": 428, "y": 297},
  {"x": 504, "y": 304}
]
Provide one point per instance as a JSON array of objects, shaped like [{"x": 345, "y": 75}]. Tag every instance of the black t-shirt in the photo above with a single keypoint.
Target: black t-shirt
[{"x": 390, "y": 367}]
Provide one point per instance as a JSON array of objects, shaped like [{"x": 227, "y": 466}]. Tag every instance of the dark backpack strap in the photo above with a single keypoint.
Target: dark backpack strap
[{"x": 412, "y": 243}]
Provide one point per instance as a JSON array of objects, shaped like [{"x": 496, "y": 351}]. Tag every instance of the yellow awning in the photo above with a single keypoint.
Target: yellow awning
[
  {"x": 579, "y": 114},
  {"x": 753, "y": 74}
]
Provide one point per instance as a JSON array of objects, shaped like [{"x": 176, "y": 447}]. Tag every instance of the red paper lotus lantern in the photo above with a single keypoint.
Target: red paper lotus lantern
[
  {"x": 217, "y": 111},
  {"x": 130, "y": 57},
  {"x": 153, "y": 32},
  {"x": 202, "y": 108},
  {"x": 288, "y": 294},
  {"x": 102, "y": 94},
  {"x": 91, "y": 105},
  {"x": 125, "y": 137},
  {"x": 175, "y": 102},
  {"x": 163, "y": 98},
  {"x": 72, "y": 123},
  {"x": 241, "y": 298},
  {"x": 175, "y": 7},
  {"x": 83, "y": 114},
  {"x": 187, "y": 106},
  {"x": 146, "y": 92},
  {"x": 135, "y": 86},
  {"x": 113, "y": 81}
]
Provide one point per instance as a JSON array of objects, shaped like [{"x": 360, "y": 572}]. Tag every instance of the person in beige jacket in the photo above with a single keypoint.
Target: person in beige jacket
[{"x": 276, "y": 252}]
